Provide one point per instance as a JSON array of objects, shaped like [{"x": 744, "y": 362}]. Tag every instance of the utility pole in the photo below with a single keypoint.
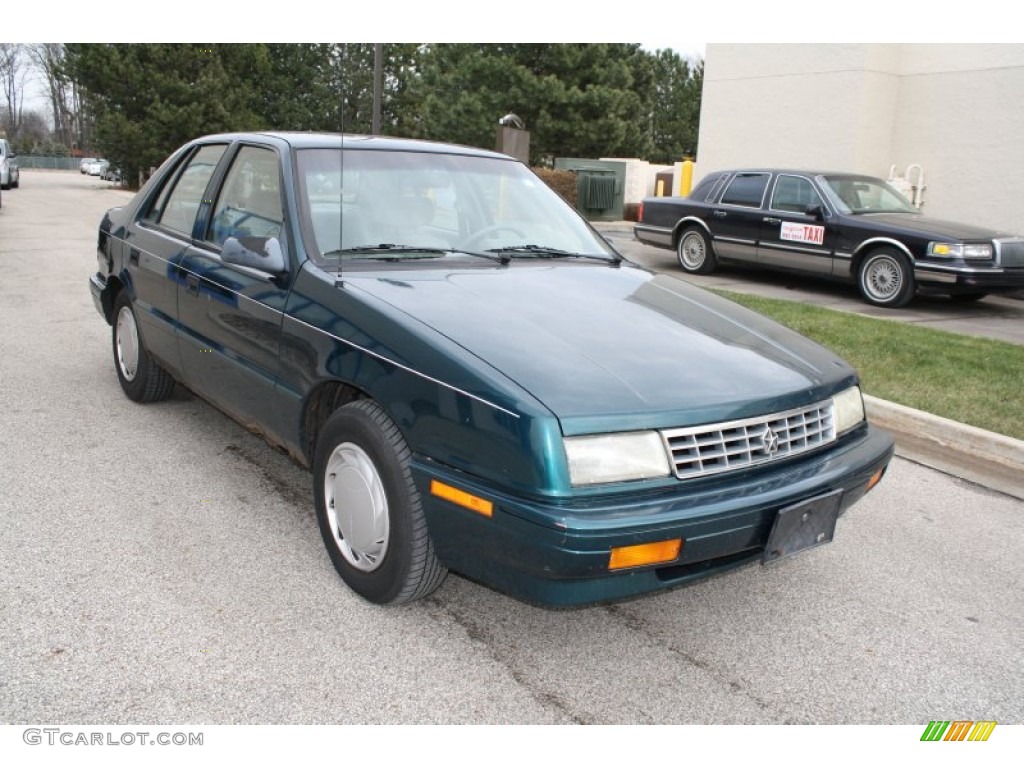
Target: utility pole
[{"x": 378, "y": 80}]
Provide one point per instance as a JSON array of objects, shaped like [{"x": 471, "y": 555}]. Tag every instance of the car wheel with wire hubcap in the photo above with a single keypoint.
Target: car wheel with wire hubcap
[
  {"x": 885, "y": 279},
  {"x": 694, "y": 251}
]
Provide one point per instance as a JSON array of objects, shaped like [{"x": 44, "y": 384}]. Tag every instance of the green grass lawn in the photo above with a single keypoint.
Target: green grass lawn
[{"x": 965, "y": 378}]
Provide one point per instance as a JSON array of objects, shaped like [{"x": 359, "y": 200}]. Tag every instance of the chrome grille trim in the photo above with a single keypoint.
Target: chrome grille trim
[
  {"x": 1010, "y": 253},
  {"x": 730, "y": 445}
]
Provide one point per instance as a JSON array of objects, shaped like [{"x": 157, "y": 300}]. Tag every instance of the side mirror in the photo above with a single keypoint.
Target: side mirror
[
  {"x": 261, "y": 253},
  {"x": 816, "y": 211}
]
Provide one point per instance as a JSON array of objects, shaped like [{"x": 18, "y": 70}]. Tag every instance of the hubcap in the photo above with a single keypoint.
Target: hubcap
[
  {"x": 883, "y": 278},
  {"x": 692, "y": 251},
  {"x": 127, "y": 343},
  {"x": 357, "y": 507}
]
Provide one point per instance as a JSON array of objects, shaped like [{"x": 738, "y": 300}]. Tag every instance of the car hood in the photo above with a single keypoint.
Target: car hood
[
  {"x": 608, "y": 348},
  {"x": 929, "y": 227}
]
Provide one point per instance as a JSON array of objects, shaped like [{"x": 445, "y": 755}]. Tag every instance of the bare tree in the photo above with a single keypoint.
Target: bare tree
[
  {"x": 65, "y": 103},
  {"x": 13, "y": 75}
]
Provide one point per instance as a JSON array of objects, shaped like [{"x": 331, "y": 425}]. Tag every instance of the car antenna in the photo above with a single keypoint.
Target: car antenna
[{"x": 339, "y": 281}]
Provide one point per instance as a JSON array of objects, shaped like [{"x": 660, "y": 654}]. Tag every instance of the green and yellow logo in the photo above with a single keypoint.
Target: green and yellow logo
[{"x": 958, "y": 730}]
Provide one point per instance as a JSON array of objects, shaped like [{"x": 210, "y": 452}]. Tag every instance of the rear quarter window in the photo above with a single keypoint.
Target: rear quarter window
[{"x": 707, "y": 188}]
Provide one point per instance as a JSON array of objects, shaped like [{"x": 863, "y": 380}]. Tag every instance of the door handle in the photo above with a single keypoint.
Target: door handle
[
  {"x": 192, "y": 284},
  {"x": 720, "y": 214},
  {"x": 133, "y": 256},
  {"x": 771, "y": 220}
]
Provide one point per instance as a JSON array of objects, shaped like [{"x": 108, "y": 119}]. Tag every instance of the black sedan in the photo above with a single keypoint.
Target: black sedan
[{"x": 841, "y": 226}]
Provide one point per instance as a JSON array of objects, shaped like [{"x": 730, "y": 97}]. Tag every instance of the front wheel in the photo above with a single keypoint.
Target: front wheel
[
  {"x": 369, "y": 510},
  {"x": 885, "y": 279},
  {"x": 141, "y": 377},
  {"x": 694, "y": 252}
]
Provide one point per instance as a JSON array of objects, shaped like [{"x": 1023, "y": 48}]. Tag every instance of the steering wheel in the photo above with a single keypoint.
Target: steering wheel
[{"x": 476, "y": 238}]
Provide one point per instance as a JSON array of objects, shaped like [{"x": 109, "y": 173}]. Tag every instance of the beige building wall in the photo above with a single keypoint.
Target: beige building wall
[{"x": 955, "y": 110}]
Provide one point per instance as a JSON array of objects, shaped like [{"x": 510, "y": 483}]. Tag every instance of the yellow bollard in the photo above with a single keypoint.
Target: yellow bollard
[{"x": 686, "y": 178}]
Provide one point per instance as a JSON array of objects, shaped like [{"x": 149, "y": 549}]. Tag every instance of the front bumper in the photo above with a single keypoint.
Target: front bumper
[
  {"x": 558, "y": 553},
  {"x": 941, "y": 278}
]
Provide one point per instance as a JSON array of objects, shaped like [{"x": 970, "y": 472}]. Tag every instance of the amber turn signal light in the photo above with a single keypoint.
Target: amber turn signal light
[
  {"x": 874, "y": 479},
  {"x": 463, "y": 499},
  {"x": 644, "y": 554}
]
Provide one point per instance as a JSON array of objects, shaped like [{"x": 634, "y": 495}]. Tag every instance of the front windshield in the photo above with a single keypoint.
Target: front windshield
[
  {"x": 864, "y": 194},
  {"x": 397, "y": 204}
]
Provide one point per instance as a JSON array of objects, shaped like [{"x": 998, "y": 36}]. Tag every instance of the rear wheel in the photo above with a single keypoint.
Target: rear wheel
[
  {"x": 885, "y": 279},
  {"x": 141, "y": 377},
  {"x": 369, "y": 510},
  {"x": 694, "y": 251}
]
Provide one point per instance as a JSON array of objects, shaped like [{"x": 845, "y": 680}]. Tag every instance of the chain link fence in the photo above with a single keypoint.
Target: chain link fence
[{"x": 49, "y": 162}]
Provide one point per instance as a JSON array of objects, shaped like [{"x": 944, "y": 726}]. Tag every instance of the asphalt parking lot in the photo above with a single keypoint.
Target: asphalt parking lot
[{"x": 162, "y": 564}]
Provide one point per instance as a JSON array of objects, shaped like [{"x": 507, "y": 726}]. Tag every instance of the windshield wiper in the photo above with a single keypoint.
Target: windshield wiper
[
  {"x": 547, "y": 252},
  {"x": 402, "y": 251},
  {"x": 409, "y": 252}
]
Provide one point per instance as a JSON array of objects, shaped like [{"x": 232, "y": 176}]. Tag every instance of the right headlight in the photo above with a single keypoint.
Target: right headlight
[
  {"x": 616, "y": 457},
  {"x": 961, "y": 250},
  {"x": 847, "y": 409}
]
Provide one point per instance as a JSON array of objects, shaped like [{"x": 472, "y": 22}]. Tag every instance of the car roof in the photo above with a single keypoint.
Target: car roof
[
  {"x": 301, "y": 140},
  {"x": 797, "y": 172}
]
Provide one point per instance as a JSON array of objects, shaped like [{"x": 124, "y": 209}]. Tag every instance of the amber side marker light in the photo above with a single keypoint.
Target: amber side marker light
[
  {"x": 874, "y": 479},
  {"x": 644, "y": 554},
  {"x": 463, "y": 499}
]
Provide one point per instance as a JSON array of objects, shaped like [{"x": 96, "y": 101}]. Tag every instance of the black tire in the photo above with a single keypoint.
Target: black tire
[
  {"x": 141, "y": 377},
  {"x": 17, "y": 184},
  {"x": 694, "y": 252},
  {"x": 886, "y": 279},
  {"x": 386, "y": 555},
  {"x": 967, "y": 298}
]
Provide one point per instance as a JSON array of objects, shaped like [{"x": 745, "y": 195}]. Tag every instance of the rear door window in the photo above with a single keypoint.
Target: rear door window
[
  {"x": 746, "y": 189},
  {"x": 178, "y": 203}
]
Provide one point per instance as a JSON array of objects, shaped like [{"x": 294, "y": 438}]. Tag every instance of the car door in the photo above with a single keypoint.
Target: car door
[
  {"x": 790, "y": 237},
  {"x": 154, "y": 246},
  {"x": 735, "y": 221},
  {"x": 231, "y": 315}
]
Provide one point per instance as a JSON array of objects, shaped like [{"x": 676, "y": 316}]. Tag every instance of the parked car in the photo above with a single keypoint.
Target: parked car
[
  {"x": 10, "y": 176},
  {"x": 478, "y": 380},
  {"x": 97, "y": 167},
  {"x": 84, "y": 164},
  {"x": 112, "y": 173},
  {"x": 841, "y": 226}
]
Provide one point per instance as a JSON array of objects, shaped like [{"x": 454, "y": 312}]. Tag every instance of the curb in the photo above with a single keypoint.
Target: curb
[{"x": 960, "y": 449}]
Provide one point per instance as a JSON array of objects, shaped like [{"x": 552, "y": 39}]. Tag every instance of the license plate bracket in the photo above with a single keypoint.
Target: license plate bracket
[{"x": 801, "y": 526}]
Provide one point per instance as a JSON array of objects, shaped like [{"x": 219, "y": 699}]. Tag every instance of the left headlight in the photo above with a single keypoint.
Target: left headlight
[
  {"x": 848, "y": 409},
  {"x": 616, "y": 457},
  {"x": 961, "y": 250}
]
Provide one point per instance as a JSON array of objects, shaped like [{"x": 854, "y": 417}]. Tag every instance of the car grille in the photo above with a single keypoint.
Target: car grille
[
  {"x": 713, "y": 448},
  {"x": 1011, "y": 253}
]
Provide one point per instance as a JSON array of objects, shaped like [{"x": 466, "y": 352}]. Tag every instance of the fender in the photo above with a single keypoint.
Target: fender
[
  {"x": 687, "y": 221},
  {"x": 867, "y": 245}
]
